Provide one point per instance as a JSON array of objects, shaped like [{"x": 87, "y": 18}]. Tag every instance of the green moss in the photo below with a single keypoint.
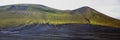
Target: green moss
[{"x": 43, "y": 15}]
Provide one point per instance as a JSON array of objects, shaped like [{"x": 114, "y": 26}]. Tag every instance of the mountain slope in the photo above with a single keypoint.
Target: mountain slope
[
  {"x": 95, "y": 17},
  {"x": 26, "y": 14}
]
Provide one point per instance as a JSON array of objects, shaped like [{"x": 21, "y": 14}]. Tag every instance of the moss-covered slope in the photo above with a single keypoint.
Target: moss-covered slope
[{"x": 25, "y": 14}]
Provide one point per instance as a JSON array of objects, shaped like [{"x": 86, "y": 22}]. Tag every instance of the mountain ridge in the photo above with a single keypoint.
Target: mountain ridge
[{"x": 13, "y": 15}]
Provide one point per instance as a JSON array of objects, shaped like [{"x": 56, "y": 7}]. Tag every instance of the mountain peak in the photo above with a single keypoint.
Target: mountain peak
[
  {"x": 83, "y": 9},
  {"x": 27, "y": 7},
  {"x": 24, "y": 6},
  {"x": 31, "y": 5}
]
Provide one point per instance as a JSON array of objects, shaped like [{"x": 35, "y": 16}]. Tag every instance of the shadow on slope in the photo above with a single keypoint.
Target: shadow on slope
[{"x": 60, "y": 32}]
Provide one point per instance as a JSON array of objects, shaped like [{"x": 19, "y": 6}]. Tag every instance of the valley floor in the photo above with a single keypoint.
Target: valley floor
[{"x": 60, "y": 32}]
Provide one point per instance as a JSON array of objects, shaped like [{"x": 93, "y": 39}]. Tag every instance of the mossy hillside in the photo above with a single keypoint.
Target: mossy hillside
[
  {"x": 15, "y": 15},
  {"x": 16, "y": 18}
]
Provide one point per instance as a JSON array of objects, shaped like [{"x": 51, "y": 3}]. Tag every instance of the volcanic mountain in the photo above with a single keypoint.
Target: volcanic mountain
[{"x": 27, "y": 14}]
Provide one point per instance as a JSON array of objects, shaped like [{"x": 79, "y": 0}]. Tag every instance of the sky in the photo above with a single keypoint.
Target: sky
[{"x": 108, "y": 7}]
